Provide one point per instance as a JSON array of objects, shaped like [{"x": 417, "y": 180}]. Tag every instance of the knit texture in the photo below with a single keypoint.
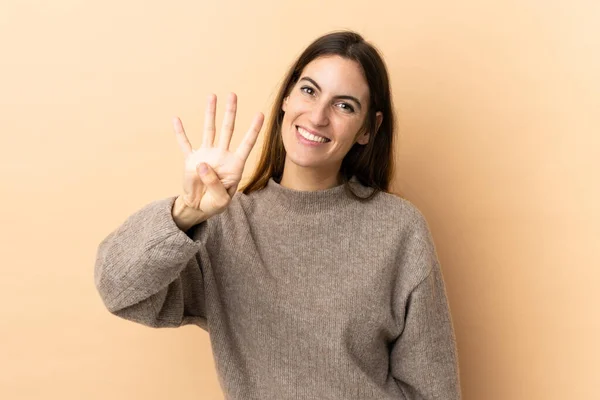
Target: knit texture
[{"x": 305, "y": 295}]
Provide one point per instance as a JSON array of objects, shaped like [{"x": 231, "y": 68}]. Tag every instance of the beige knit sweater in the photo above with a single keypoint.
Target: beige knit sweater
[{"x": 305, "y": 295}]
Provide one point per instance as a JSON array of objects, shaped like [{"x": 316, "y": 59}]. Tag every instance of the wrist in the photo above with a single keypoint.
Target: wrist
[{"x": 184, "y": 216}]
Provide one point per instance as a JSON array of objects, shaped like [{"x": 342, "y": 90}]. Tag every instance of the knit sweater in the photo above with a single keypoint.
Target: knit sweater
[{"x": 304, "y": 294}]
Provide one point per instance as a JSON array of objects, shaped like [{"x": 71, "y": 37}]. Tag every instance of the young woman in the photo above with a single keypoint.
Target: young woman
[{"x": 314, "y": 282}]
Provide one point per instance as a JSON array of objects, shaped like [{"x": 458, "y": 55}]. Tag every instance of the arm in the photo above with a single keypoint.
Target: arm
[
  {"x": 148, "y": 269},
  {"x": 424, "y": 357}
]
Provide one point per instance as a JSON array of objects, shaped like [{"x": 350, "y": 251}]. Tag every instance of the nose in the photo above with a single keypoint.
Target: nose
[{"x": 319, "y": 115}]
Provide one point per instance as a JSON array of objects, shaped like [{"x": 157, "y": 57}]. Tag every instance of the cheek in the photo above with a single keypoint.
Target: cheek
[
  {"x": 350, "y": 129},
  {"x": 298, "y": 104},
  {"x": 290, "y": 115},
  {"x": 287, "y": 117}
]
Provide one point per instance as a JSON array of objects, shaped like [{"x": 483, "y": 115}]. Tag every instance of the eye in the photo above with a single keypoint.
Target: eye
[
  {"x": 346, "y": 107},
  {"x": 308, "y": 90}
]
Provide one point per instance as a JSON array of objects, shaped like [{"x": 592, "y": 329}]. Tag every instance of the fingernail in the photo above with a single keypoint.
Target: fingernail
[{"x": 202, "y": 169}]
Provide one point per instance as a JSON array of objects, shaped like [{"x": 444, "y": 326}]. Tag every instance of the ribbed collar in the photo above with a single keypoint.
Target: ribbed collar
[{"x": 291, "y": 200}]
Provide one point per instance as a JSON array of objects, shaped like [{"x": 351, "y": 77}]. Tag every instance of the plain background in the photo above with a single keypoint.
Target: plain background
[{"x": 498, "y": 110}]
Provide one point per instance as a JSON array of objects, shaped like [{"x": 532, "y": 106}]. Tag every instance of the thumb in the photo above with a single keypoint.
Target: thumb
[{"x": 214, "y": 186}]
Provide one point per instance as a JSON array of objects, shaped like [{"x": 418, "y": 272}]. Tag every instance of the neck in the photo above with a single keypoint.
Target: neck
[{"x": 308, "y": 179}]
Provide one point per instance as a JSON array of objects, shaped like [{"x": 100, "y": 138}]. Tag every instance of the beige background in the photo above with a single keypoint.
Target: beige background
[{"x": 499, "y": 147}]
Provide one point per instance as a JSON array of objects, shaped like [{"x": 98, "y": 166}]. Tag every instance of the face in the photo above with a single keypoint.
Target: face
[{"x": 325, "y": 113}]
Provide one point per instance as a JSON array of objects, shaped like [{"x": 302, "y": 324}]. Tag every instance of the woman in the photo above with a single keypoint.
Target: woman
[{"x": 313, "y": 281}]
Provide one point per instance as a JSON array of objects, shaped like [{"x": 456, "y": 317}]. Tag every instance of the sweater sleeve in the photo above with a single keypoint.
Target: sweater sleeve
[
  {"x": 148, "y": 270},
  {"x": 424, "y": 357}
]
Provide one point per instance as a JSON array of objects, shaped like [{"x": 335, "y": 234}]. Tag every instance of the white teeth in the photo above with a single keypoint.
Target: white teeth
[{"x": 310, "y": 136}]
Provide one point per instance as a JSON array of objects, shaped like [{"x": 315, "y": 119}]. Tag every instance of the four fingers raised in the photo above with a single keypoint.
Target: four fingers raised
[
  {"x": 209, "y": 177},
  {"x": 226, "y": 130}
]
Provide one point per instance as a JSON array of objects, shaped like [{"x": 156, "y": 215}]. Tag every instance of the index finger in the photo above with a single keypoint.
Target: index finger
[{"x": 245, "y": 147}]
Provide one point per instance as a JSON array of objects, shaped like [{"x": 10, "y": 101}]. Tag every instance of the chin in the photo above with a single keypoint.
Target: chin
[{"x": 303, "y": 161}]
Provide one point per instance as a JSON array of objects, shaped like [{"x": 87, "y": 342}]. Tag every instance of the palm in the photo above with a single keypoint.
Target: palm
[{"x": 228, "y": 165}]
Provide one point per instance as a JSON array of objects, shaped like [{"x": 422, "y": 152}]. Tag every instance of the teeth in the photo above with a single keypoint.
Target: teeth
[{"x": 311, "y": 137}]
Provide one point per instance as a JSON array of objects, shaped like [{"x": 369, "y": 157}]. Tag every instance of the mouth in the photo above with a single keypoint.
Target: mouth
[{"x": 310, "y": 136}]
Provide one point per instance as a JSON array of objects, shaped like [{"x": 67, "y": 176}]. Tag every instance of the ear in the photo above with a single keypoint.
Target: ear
[
  {"x": 284, "y": 104},
  {"x": 378, "y": 120},
  {"x": 364, "y": 138}
]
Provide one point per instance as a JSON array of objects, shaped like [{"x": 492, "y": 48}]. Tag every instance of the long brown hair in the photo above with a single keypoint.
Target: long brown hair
[{"x": 373, "y": 163}]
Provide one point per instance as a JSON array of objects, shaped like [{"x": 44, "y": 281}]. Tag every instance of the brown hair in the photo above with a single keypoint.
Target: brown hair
[{"x": 372, "y": 164}]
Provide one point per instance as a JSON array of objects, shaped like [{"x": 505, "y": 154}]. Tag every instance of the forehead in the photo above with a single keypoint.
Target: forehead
[{"x": 338, "y": 75}]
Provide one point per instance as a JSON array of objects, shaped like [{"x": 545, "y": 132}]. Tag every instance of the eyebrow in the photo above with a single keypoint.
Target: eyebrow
[{"x": 344, "y": 97}]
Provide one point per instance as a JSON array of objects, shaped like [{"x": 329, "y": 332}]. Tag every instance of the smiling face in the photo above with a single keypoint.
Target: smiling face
[{"x": 325, "y": 113}]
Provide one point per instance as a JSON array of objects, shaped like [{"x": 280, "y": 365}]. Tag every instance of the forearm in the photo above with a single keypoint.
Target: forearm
[
  {"x": 181, "y": 302},
  {"x": 142, "y": 256}
]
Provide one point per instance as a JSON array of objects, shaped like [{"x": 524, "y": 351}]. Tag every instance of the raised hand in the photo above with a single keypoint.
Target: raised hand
[{"x": 211, "y": 191}]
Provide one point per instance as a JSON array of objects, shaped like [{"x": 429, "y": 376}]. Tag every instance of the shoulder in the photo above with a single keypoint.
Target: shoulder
[
  {"x": 409, "y": 233},
  {"x": 402, "y": 213}
]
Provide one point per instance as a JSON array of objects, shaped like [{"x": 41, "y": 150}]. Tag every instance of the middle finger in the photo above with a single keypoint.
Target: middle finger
[{"x": 209, "y": 121}]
